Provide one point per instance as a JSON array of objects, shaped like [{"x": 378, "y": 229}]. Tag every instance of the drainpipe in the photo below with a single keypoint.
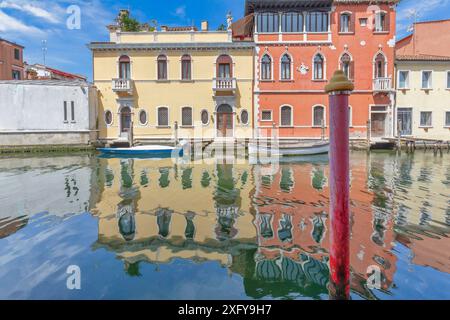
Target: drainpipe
[{"x": 339, "y": 90}]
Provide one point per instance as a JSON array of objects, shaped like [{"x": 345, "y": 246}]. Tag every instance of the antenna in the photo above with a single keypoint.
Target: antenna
[{"x": 44, "y": 50}]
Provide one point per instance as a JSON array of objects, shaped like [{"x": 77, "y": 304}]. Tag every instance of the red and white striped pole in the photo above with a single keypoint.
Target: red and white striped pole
[{"x": 339, "y": 90}]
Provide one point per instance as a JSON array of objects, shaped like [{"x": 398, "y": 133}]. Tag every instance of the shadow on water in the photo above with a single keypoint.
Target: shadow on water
[{"x": 198, "y": 223}]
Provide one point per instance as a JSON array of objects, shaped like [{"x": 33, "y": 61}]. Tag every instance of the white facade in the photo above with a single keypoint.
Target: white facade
[{"x": 47, "y": 112}]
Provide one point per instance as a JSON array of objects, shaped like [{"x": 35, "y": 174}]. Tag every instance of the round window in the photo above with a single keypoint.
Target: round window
[
  {"x": 108, "y": 117},
  {"x": 205, "y": 117},
  {"x": 244, "y": 116},
  {"x": 143, "y": 117}
]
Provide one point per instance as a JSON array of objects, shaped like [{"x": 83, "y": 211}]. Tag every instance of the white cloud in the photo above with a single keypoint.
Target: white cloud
[
  {"x": 10, "y": 24},
  {"x": 180, "y": 12},
  {"x": 30, "y": 8}
]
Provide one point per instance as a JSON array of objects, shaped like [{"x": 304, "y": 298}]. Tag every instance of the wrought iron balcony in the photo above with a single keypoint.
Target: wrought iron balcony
[
  {"x": 122, "y": 85},
  {"x": 382, "y": 85},
  {"x": 224, "y": 84}
]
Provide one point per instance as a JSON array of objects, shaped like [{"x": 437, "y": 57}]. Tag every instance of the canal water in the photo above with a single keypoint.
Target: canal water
[{"x": 159, "y": 229}]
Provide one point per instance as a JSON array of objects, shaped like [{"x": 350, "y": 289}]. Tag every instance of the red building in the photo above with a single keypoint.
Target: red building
[
  {"x": 11, "y": 60},
  {"x": 300, "y": 43}
]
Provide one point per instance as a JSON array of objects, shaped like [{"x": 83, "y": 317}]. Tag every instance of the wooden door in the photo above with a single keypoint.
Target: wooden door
[
  {"x": 378, "y": 122},
  {"x": 224, "y": 124}
]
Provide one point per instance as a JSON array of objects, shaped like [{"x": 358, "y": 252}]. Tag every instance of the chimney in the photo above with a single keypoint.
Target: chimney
[
  {"x": 164, "y": 28},
  {"x": 205, "y": 26}
]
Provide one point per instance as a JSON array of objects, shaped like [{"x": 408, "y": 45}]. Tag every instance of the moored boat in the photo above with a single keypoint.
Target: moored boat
[
  {"x": 281, "y": 148},
  {"x": 153, "y": 151}
]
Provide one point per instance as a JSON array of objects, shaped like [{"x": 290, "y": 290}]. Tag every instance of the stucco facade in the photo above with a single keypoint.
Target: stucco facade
[
  {"x": 11, "y": 60},
  {"x": 47, "y": 113},
  {"x": 423, "y": 82},
  {"x": 151, "y": 86}
]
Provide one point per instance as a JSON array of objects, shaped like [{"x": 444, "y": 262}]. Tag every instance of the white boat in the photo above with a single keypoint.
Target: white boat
[{"x": 280, "y": 148}]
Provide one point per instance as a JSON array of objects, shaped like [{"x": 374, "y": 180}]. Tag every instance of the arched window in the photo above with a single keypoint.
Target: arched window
[
  {"x": 286, "y": 116},
  {"x": 319, "y": 116},
  {"x": 318, "y": 67},
  {"x": 345, "y": 23},
  {"x": 266, "y": 67},
  {"x": 224, "y": 67},
  {"x": 204, "y": 117},
  {"x": 124, "y": 67},
  {"x": 162, "y": 67},
  {"x": 244, "y": 117},
  {"x": 286, "y": 67},
  {"x": 142, "y": 117},
  {"x": 163, "y": 117},
  {"x": 108, "y": 117},
  {"x": 186, "y": 116},
  {"x": 380, "y": 66},
  {"x": 346, "y": 65},
  {"x": 186, "y": 62}
]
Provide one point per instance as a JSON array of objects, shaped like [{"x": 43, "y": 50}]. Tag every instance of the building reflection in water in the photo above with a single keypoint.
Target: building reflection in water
[{"x": 270, "y": 229}]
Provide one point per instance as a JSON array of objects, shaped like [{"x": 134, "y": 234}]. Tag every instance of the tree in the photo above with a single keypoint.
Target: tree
[
  {"x": 222, "y": 27},
  {"x": 129, "y": 24}
]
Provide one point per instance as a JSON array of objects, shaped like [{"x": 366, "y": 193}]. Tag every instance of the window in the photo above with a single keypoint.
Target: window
[
  {"x": 244, "y": 117},
  {"x": 186, "y": 116},
  {"x": 142, "y": 117},
  {"x": 268, "y": 22},
  {"x": 72, "y": 109},
  {"x": 319, "y": 116},
  {"x": 65, "y": 111},
  {"x": 266, "y": 68},
  {"x": 163, "y": 117},
  {"x": 447, "y": 118},
  {"x": 380, "y": 22},
  {"x": 108, "y": 118},
  {"x": 346, "y": 65},
  {"x": 403, "y": 79},
  {"x": 448, "y": 79},
  {"x": 186, "y": 67},
  {"x": 380, "y": 66},
  {"x": 17, "y": 54},
  {"x": 426, "y": 79},
  {"x": 224, "y": 70},
  {"x": 425, "y": 119},
  {"x": 162, "y": 67},
  {"x": 286, "y": 67},
  {"x": 292, "y": 22},
  {"x": 363, "y": 22},
  {"x": 318, "y": 67},
  {"x": 345, "y": 22},
  {"x": 16, "y": 75},
  {"x": 124, "y": 67},
  {"x": 266, "y": 115},
  {"x": 286, "y": 116},
  {"x": 317, "y": 22},
  {"x": 204, "y": 117}
]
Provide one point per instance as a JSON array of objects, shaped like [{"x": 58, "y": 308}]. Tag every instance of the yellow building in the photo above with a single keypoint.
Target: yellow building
[
  {"x": 150, "y": 80},
  {"x": 423, "y": 81}
]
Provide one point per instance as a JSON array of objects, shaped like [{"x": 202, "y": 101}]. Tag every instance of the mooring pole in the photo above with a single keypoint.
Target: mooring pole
[
  {"x": 176, "y": 133},
  {"x": 339, "y": 90}
]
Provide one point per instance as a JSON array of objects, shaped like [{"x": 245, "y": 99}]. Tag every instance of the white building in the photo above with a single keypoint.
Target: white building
[{"x": 47, "y": 112}]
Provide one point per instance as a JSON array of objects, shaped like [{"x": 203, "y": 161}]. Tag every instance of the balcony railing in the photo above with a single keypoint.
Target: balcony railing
[
  {"x": 382, "y": 84},
  {"x": 224, "y": 84},
  {"x": 122, "y": 85}
]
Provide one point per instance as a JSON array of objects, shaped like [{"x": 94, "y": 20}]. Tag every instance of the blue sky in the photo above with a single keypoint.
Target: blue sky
[{"x": 28, "y": 22}]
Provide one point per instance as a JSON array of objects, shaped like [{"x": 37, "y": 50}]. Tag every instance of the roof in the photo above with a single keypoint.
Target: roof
[
  {"x": 65, "y": 74},
  {"x": 12, "y": 43},
  {"x": 65, "y": 83},
  {"x": 174, "y": 46},
  {"x": 254, "y": 5},
  {"x": 421, "y": 57}
]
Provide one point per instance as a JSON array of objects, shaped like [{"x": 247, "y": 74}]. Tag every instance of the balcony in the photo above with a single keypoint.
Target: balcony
[
  {"x": 224, "y": 84},
  {"x": 122, "y": 85},
  {"x": 382, "y": 85}
]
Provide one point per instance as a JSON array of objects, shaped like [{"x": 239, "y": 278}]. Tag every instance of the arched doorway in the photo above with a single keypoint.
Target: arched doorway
[
  {"x": 125, "y": 120},
  {"x": 224, "y": 121}
]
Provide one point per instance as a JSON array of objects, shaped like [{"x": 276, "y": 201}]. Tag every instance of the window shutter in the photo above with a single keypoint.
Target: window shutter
[
  {"x": 340, "y": 23},
  {"x": 352, "y": 70},
  {"x": 387, "y": 22},
  {"x": 352, "y": 22}
]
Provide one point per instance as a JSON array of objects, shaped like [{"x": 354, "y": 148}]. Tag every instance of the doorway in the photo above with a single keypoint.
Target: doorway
[
  {"x": 225, "y": 121},
  {"x": 404, "y": 121},
  {"x": 125, "y": 121},
  {"x": 378, "y": 119}
]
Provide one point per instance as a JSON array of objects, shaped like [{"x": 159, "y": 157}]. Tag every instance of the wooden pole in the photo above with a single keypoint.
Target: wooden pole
[
  {"x": 323, "y": 130},
  {"x": 339, "y": 90},
  {"x": 176, "y": 133}
]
